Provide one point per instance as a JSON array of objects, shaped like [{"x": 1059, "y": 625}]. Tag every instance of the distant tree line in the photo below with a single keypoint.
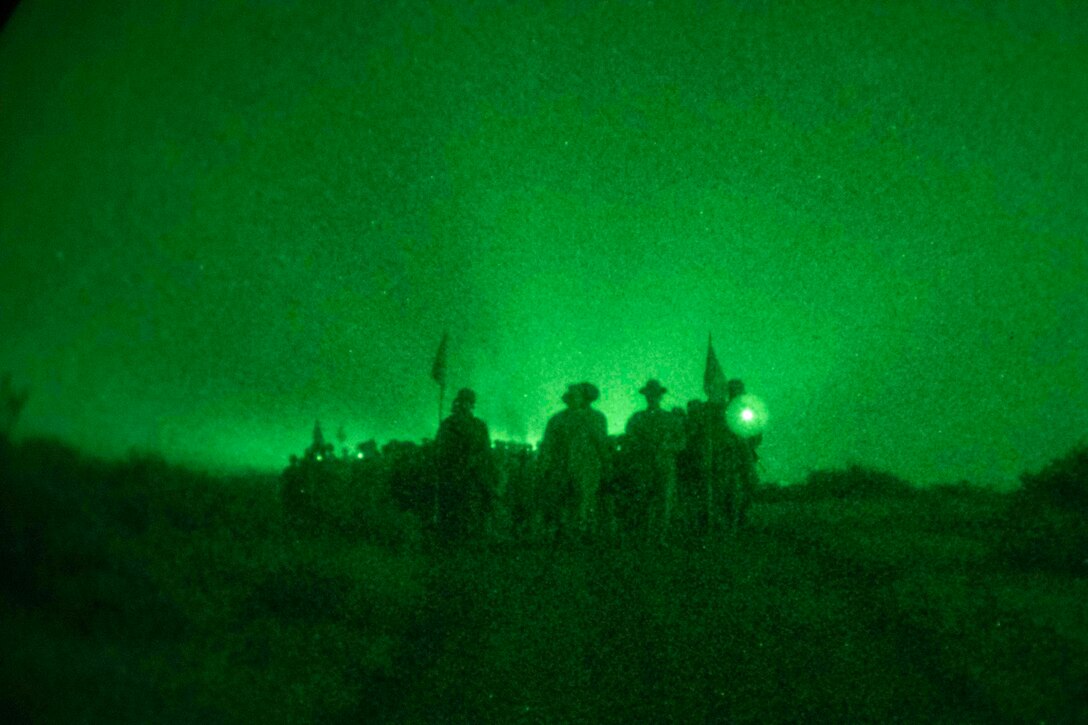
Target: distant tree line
[{"x": 387, "y": 494}]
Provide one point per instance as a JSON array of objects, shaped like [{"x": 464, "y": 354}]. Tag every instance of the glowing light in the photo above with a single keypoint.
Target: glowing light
[
  {"x": 358, "y": 455},
  {"x": 746, "y": 416},
  {"x": 320, "y": 457}
]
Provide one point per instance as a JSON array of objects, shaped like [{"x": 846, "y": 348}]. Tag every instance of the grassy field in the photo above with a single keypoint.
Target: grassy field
[{"x": 139, "y": 593}]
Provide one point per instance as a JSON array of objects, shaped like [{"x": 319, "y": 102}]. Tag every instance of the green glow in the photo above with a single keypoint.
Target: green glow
[
  {"x": 220, "y": 225},
  {"x": 746, "y": 415}
]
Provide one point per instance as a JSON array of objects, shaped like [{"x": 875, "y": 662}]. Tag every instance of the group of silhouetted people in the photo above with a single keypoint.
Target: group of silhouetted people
[{"x": 674, "y": 474}]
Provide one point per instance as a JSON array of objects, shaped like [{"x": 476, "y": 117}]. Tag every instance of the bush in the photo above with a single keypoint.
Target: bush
[
  {"x": 1062, "y": 483},
  {"x": 855, "y": 482},
  {"x": 1045, "y": 525}
]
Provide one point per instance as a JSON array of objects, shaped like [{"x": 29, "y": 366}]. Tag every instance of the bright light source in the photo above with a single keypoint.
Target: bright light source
[
  {"x": 320, "y": 458},
  {"x": 358, "y": 455},
  {"x": 746, "y": 415}
]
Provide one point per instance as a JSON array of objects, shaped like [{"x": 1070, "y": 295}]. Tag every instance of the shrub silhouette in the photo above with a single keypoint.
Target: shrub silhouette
[
  {"x": 1046, "y": 527},
  {"x": 1062, "y": 483},
  {"x": 855, "y": 482}
]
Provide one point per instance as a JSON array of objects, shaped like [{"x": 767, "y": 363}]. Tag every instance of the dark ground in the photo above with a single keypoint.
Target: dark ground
[
  {"x": 769, "y": 627},
  {"x": 138, "y": 593}
]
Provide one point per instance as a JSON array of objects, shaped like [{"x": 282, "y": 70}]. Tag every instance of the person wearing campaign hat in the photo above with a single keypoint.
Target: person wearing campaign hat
[
  {"x": 466, "y": 473},
  {"x": 654, "y": 438},
  {"x": 574, "y": 459}
]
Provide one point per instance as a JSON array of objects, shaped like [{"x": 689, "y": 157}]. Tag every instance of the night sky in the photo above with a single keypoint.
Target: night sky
[{"x": 220, "y": 221}]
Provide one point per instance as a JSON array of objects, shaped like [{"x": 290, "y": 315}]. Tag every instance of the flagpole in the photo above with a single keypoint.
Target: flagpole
[
  {"x": 438, "y": 373},
  {"x": 711, "y": 472},
  {"x": 713, "y": 381},
  {"x": 708, "y": 422}
]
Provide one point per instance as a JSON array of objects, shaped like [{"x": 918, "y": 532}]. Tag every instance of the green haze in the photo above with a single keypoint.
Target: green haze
[{"x": 222, "y": 220}]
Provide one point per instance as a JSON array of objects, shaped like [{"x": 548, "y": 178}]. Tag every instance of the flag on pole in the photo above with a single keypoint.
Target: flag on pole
[
  {"x": 438, "y": 369},
  {"x": 713, "y": 377}
]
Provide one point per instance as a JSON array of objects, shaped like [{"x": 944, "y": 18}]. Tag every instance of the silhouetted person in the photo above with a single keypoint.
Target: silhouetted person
[
  {"x": 413, "y": 485},
  {"x": 295, "y": 494},
  {"x": 366, "y": 473},
  {"x": 465, "y": 472},
  {"x": 621, "y": 511},
  {"x": 742, "y": 464},
  {"x": 654, "y": 437},
  {"x": 574, "y": 456},
  {"x": 706, "y": 463},
  {"x": 518, "y": 488}
]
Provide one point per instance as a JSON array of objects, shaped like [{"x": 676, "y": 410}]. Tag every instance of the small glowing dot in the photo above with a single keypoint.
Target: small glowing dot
[
  {"x": 358, "y": 455},
  {"x": 747, "y": 414},
  {"x": 321, "y": 458}
]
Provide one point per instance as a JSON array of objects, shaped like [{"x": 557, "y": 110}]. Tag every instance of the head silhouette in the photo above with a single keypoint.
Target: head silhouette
[
  {"x": 465, "y": 401},
  {"x": 654, "y": 392}
]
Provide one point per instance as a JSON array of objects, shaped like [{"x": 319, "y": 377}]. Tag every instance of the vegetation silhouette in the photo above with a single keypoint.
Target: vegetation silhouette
[{"x": 146, "y": 591}]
